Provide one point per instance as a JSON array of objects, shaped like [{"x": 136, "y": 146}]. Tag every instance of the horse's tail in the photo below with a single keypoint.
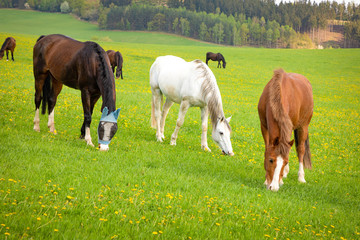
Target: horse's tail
[
  {"x": 46, "y": 94},
  {"x": 307, "y": 154}
]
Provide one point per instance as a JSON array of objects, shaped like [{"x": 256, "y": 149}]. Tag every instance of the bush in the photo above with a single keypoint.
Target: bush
[{"x": 64, "y": 7}]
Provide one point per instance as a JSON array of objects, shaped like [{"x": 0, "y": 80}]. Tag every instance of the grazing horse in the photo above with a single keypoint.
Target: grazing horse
[
  {"x": 8, "y": 45},
  {"x": 215, "y": 57},
  {"x": 190, "y": 84},
  {"x": 286, "y": 104},
  {"x": 85, "y": 66},
  {"x": 116, "y": 60}
]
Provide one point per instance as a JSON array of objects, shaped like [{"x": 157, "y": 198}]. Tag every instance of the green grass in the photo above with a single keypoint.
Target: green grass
[{"x": 56, "y": 187}]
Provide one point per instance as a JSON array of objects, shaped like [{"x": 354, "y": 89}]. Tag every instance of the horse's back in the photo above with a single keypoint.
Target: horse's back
[{"x": 176, "y": 78}]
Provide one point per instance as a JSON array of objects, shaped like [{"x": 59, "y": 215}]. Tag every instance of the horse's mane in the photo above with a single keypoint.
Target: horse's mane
[
  {"x": 281, "y": 117},
  {"x": 105, "y": 80},
  {"x": 222, "y": 57},
  {"x": 119, "y": 59},
  {"x": 7, "y": 40},
  {"x": 211, "y": 95}
]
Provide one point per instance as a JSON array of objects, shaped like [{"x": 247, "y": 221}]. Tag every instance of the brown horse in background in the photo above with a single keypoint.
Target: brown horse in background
[
  {"x": 8, "y": 45},
  {"x": 85, "y": 66},
  {"x": 216, "y": 57},
  {"x": 286, "y": 104},
  {"x": 116, "y": 60}
]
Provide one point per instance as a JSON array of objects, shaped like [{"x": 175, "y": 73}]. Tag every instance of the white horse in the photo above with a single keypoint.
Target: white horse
[{"x": 190, "y": 84}]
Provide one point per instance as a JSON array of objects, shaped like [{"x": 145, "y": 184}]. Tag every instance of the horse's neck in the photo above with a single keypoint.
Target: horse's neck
[{"x": 214, "y": 104}]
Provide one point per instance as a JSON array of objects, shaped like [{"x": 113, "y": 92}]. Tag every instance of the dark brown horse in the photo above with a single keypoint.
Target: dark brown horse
[
  {"x": 216, "y": 57},
  {"x": 8, "y": 45},
  {"x": 286, "y": 104},
  {"x": 85, "y": 66},
  {"x": 116, "y": 60}
]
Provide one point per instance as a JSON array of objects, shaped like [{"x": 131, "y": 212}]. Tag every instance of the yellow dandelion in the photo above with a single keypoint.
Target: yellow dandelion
[
  {"x": 56, "y": 230},
  {"x": 218, "y": 224},
  {"x": 155, "y": 233}
]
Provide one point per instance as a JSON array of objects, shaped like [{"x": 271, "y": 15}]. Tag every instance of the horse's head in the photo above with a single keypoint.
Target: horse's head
[
  {"x": 1, "y": 54},
  {"x": 119, "y": 65},
  {"x": 107, "y": 128},
  {"x": 224, "y": 64},
  {"x": 275, "y": 163},
  {"x": 221, "y": 135}
]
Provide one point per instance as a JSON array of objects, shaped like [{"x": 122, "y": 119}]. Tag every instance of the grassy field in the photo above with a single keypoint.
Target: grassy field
[{"x": 56, "y": 187}]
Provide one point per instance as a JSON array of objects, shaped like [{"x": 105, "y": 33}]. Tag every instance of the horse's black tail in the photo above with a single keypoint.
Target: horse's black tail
[
  {"x": 307, "y": 154},
  {"x": 46, "y": 94}
]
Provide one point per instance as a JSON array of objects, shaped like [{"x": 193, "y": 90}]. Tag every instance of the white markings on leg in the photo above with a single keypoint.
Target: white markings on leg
[
  {"x": 286, "y": 170},
  {"x": 274, "y": 186},
  {"x": 301, "y": 173},
  {"x": 37, "y": 121},
  {"x": 51, "y": 122},
  {"x": 88, "y": 137}
]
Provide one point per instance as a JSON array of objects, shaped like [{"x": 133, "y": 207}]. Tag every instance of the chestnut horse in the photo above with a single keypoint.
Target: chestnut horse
[
  {"x": 116, "y": 60},
  {"x": 215, "y": 57},
  {"x": 286, "y": 104},
  {"x": 85, "y": 66},
  {"x": 8, "y": 45}
]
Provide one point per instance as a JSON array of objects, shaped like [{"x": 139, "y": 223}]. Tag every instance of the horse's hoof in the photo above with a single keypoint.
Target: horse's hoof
[
  {"x": 206, "y": 148},
  {"x": 37, "y": 129},
  {"x": 173, "y": 143}
]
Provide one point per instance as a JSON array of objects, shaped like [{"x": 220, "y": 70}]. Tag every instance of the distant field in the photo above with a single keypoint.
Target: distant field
[
  {"x": 29, "y": 22},
  {"x": 56, "y": 187}
]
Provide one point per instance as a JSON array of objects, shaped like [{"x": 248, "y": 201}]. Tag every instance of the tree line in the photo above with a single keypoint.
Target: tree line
[{"x": 232, "y": 22}]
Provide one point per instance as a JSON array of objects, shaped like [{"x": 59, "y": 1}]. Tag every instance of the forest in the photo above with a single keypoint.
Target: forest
[{"x": 260, "y": 23}]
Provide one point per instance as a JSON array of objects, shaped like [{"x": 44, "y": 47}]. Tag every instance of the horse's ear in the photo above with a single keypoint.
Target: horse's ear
[
  {"x": 291, "y": 143},
  {"x": 228, "y": 119},
  {"x": 104, "y": 112},
  {"x": 276, "y": 141},
  {"x": 116, "y": 113}
]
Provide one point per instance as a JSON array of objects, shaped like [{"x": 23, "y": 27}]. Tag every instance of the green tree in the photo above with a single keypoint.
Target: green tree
[{"x": 203, "y": 31}]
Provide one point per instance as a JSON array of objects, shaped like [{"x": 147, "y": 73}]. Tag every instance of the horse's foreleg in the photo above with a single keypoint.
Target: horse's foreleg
[
  {"x": 85, "y": 129},
  {"x": 7, "y": 55},
  {"x": 204, "y": 127},
  {"x": 167, "y": 105},
  {"x": 184, "y": 106},
  {"x": 300, "y": 137}
]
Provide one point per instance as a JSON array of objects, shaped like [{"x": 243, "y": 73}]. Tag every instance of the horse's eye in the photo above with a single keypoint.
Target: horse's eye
[
  {"x": 221, "y": 133},
  {"x": 271, "y": 160}
]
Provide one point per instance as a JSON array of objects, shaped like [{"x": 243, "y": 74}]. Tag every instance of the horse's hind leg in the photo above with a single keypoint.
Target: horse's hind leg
[
  {"x": 184, "y": 106},
  {"x": 156, "y": 112},
  {"x": 301, "y": 135},
  {"x": 204, "y": 128},
  {"x": 39, "y": 83},
  {"x": 12, "y": 55},
  {"x": 167, "y": 105},
  {"x": 56, "y": 89}
]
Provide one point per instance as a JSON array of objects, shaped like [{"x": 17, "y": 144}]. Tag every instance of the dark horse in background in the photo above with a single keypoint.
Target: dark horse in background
[
  {"x": 8, "y": 45},
  {"x": 286, "y": 104},
  {"x": 216, "y": 57},
  {"x": 85, "y": 66},
  {"x": 116, "y": 60}
]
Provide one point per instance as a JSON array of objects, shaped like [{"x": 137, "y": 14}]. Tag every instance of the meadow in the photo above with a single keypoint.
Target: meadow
[{"x": 57, "y": 187}]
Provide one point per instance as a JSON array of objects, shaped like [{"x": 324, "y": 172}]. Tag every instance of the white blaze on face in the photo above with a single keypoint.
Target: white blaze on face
[{"x": 274, "y": 186}]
